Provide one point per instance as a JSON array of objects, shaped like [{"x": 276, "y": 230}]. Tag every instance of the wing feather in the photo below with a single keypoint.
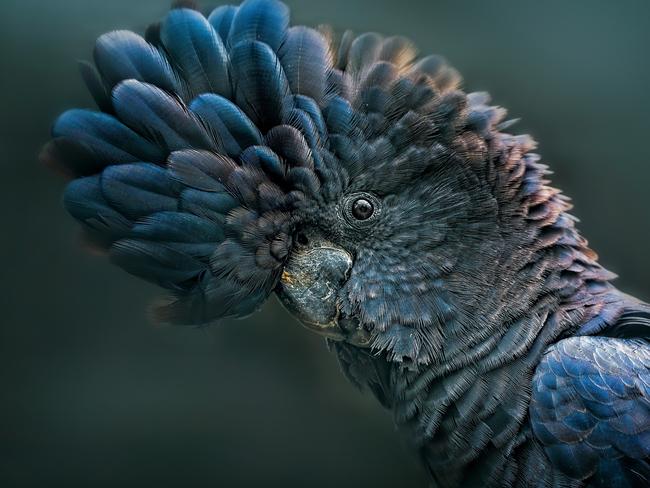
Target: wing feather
[{"x": 590, "y": 409}]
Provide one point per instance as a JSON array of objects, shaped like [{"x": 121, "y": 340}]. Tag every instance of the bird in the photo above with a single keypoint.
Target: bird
[{"x": 234, "y": 156}]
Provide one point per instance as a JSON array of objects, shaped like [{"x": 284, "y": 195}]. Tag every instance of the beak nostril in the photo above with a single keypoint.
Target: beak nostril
[{"x": 301, "y": 239}]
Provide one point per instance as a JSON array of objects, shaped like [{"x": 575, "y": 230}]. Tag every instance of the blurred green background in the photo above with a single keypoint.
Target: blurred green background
[{"x": 94, "y": 395}]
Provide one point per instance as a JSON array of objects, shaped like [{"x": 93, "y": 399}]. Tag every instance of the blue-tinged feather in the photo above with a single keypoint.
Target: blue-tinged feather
[
  {"x": 261, "y": 86},
  {"x": 266, "y": 160},
  {"x": 430, "y": 66},
  {"x": 343, "y": 52},
  {"x": 177, "y": 227},
  {"x": 382, "y": 74},
  {"x": 84, "y": 200},
  {"x": 289, "y": 143},
  {"x": 311, "y": 107},
  {"x": 304, "y": 179},
  {"x": 338, "y": 116},
  {"x": 139, "y": 190},
  {"x": 364, "y": 51},
  {"x": 221, "y": 20},
  {"x": 213, "y": 206},
  {"x": 201, "y": 170},
  {"x": 579, "y": 421},
  {"x": 123, "y": 55},
  {"x": 260, "y": 20},
  {"x": 228, "y": 125},
  {"x": 243, "y": 183},
  {"x": 96, "y": 86},
  {"x": 594, "y": 411},
  {"x": 592, "y": 388},
  {"x": 576, "y": 460},
  {"x": 615, "y": 384},
  {"x": 197, "y": 52},
  {"x": 245, "y": 271},
  {"x": 109, "y": 139},
  {"x": 212, "y": 298},
  {"x": 306, "y": 59},
  {"x": 302, "y": 121},
  {"x": 159, "y": 116},
  {"x": 576, "y": 367},
  {"x": 339, "y": 83},
  {"x": 156, "y": 262},
  {"x": 601, "y": 410},
  {"x": 271, "y": 197}
]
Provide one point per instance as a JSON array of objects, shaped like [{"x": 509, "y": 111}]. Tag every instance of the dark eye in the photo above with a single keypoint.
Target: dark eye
[{"x": 362, "y": 209}]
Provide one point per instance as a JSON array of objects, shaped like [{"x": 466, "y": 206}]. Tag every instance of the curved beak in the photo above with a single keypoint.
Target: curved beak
[{"x": 310, "y": 284}]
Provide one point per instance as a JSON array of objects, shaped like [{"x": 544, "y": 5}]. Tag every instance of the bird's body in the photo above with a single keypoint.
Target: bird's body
[
  {"x": 561, "y": 411},
  {"x": 236, "y": 156}
]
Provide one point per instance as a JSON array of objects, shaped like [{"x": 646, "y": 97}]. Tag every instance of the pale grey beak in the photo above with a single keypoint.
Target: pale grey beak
[{"x": 310, "y": 284}]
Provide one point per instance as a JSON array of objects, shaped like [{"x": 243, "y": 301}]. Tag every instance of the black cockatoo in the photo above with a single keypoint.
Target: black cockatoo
[{"x": 235, "y": 156}]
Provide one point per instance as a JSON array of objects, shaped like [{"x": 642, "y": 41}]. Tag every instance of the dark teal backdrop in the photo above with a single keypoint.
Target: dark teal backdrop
[{"x": 94, "y": 395}]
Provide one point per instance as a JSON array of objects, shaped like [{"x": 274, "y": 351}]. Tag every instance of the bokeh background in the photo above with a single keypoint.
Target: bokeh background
[{"x": 92, "y": 394}]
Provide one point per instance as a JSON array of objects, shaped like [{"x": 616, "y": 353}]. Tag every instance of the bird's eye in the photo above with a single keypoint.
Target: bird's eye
[{"x": 362, "y": 209}]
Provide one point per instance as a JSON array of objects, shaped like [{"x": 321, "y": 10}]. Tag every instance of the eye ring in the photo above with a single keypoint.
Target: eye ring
[{"x": 361, "y": 209}]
